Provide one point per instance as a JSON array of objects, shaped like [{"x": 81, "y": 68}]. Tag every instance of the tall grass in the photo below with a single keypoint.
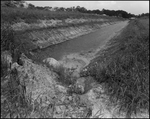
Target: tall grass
[
  {"x": 7, "y": 36},
  {"x": 124, "y": 67},
  {"x": 7, "y": 44},
  {"x": 10, "y": 42},
  {"x": 65, "y": 76},
  {"x": 13, "y": 100}
]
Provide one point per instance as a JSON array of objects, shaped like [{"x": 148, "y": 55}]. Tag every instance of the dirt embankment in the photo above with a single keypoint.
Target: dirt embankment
[
  {"x": 48, "y": 97},
  {"x": 48, "y": 32}
]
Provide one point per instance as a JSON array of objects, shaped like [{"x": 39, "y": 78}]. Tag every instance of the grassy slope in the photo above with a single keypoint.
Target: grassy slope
[
  {"x": 13, "y": 97},
  {"x": 124, "y": 67},
  {"x": 13, "y": 15},
  {"x": 32, "y": 15},
  {"x": 13, "y": 89}
]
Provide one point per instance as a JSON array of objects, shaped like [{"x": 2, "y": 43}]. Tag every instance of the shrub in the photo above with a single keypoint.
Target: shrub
[
  {"x": 32, "y": 15},
  {"x": 65, "y": 76},
  {"x": 7, "y": 36},
  {"x": 14, "y": 102}
]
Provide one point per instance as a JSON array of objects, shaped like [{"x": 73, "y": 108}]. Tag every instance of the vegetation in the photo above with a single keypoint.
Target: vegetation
[
  {"x": 65, "y": 76},
  {"x": 117, "y": 13},
  {"x": 14, "y": 15},
  {"x": 7, "y": 37},
  {"x": 143, "y": 15},
  {"x": 50, "y": 11},
  {"x": 7, "y": 43},
  {"x": 13, "y": 100},
  {"x": 124, "y": 67},
  {"x": 11, "y": 15}
]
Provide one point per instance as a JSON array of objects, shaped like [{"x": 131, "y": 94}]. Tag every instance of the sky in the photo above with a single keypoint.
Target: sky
[{"x": 134, "y": 7}]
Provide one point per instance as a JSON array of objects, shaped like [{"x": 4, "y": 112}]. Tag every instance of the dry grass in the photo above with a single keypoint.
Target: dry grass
[
  {"x": 14, "y": 102},
  {"x": 7, "y": 37},
  {"x": 12, "y": 15},
  {"x": 124, "y": 67},
  {"x": 65, "y": 76},
  {"x": 32, "y": 15}
]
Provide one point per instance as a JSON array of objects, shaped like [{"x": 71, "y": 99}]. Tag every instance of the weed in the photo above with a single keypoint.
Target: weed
[
  {"x": 15, "y": 102},
  {"x": 65, "y": 76},
  {"x": 7, "y": 36}
]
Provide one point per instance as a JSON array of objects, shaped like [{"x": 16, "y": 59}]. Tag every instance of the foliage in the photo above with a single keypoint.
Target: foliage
[
  {"x": 65, "y": 76},
  {"x": 143, "y": 15},
  {"x": 9, "y": 42},
  {"x": 13, "y": 98},
  {"x": 119, "y": 13},
  {"x": 14, "y": 102},
  {"x": 14, "y": 15},
  {"x": 7, "y": 37}
]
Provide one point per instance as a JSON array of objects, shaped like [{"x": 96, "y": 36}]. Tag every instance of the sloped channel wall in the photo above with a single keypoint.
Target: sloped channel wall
[{"x": 44, "y": 34}]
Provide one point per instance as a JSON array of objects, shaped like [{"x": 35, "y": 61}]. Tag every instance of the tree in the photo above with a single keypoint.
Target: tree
[
  {"x": 7, "y": 3},
  {"x": 61, "y": 9},
  {"x": 31, "y": 6},
  {"x": 81, "y": 9},
  {"x": 40, "y": 8}
]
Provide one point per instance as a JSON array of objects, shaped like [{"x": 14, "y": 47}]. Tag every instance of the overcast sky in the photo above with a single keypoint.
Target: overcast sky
[{"x": 134, "y": 7}]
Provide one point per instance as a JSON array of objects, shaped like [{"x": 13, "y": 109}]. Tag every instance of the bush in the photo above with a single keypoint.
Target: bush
[
  {"x": 7, "y": 37},
  {"x": 7, "y": 44},
  {"x": 65, "y": 76},
  {"x": 10, "y": 42},
  {"x": 14, "y": 102}
]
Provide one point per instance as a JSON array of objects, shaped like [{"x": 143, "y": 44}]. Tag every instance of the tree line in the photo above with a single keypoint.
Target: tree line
[{"x": 117, "y": 13}]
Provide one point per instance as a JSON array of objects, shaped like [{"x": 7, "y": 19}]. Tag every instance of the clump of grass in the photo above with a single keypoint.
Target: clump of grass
[
  {"x": 11, "y": 42},
  {"x": 14, "y": 103},
  {"x": 7, "y": 44},
  {"x": 7, "y": 36},
  {"x": 124, "y": 68},
  {"x": 65, "y": 76}
]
